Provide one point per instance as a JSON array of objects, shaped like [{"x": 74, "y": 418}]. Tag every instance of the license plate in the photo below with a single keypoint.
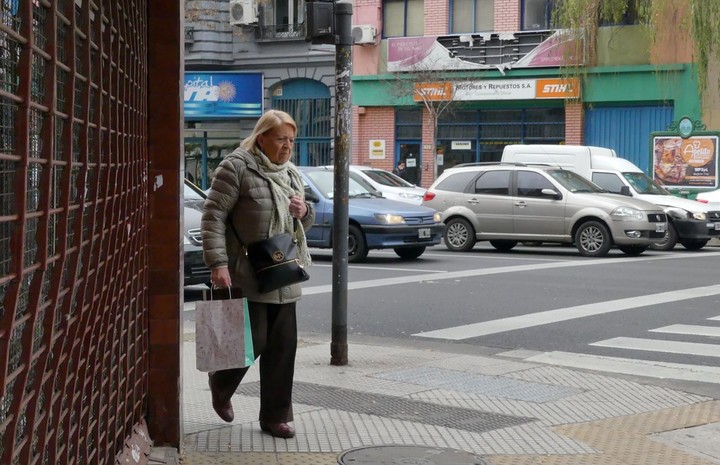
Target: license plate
[
  {"x": 660, "y": 227},
  {"x": 717, "y": 226},
  {"x": 424, "y": 233}
]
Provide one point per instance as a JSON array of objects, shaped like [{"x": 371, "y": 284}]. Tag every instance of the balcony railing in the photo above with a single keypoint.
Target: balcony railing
[{"x": 280, "y": 32}]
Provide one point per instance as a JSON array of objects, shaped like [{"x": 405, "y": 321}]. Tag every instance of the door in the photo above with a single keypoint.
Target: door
[
  {"x": 409, "y": 152},
  {"x": 490, "y": 201},
  {"x": 536, "y": 214}
]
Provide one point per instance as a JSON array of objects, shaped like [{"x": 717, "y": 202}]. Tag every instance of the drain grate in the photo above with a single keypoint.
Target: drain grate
[
  {"x": 415, "y": 455},
  {"x": 397, "y": 408},
  {"x": 480, "y": 384}
]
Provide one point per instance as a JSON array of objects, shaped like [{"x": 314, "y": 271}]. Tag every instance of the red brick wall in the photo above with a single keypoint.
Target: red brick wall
[
  {"x": 507, "y": 15},
  {"x": 376, "y": 123},
  {"x": 428, "y": 154},
  {"x": 436, "y": 17},
  {"x": 574, "y": 123}
]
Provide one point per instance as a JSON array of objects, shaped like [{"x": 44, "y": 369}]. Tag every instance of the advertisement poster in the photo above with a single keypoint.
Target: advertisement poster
[
  {"x": 685, "y": 163},
  {"x": 377, "y": 150},
  {"x": 223, "y": 95}
]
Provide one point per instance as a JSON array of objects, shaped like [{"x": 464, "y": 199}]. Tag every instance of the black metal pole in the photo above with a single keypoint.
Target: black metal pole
[{"x": 343, "y": 145}]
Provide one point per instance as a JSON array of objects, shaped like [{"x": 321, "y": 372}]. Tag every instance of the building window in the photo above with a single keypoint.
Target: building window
[
  {"x": 630, "y": 17},
  {"x": 467, "y": 136},
  {"x": 408, "y": 124},
  {"x": 472, "y": 16},
  {"x": 402, "y": 18},
  {"x": 288, "y": 14},
  {"x": 537, "y": 14}
]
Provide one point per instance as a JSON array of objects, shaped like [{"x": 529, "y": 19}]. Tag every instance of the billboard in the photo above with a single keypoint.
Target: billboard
[
  {"x": 214, "y": 95},
  {"x": 690, "y": 162}
]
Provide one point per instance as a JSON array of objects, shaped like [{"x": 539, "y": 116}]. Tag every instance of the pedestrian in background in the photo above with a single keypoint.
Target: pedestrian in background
[
  {"x": 257, "y": 193},
  {"x": 400, "y": 169}
]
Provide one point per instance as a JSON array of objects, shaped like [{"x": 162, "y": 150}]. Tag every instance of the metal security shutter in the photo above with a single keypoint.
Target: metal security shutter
[{"x": 627, "y": 130}]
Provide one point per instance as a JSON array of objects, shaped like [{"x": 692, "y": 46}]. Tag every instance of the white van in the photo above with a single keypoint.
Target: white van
[{"x": 690, "y": 222}]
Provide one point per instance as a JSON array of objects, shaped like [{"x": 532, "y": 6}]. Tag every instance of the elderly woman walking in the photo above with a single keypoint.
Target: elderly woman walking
[{"x": 257, "y": 193}]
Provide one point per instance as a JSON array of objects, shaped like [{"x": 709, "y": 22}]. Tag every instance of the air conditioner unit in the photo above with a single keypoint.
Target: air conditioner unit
[
  {"x": 364, "y": 34},
  {"x": 243, "y": 12}
]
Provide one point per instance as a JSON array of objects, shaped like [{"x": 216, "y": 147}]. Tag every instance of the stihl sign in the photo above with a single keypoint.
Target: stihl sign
[
  {"x": 433, "y": 91},
  {"x": 557, "y": 88}
]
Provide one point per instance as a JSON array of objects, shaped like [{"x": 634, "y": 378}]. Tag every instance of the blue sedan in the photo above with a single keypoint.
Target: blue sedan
[{"x": 375, "y": 222}]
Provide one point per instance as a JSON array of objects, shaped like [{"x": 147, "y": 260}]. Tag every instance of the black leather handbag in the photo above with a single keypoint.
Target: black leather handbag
[{"x": 275, "y": 261}]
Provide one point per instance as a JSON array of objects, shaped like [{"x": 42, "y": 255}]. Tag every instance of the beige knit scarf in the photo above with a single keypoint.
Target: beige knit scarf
[{"x": 285, "y": 182}]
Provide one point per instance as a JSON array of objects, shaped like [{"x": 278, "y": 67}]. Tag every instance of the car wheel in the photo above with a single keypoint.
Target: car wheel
[
  {"x": 668, "y": 242},
  {"x": 409, "y": 253},
  {"x": 593, "y": 239},
  {"x": 357, "y": 245},
  {"x": 459, "y": 235},
  {"x": 503, "y": 246},
  {"x": 694, "y": 244},
  {"x": 633, "y": 250}
]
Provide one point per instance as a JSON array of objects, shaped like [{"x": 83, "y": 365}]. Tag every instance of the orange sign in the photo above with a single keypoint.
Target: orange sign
[
  {"x": 433, "y": 91},
  {"x": 557, "y": 88}
]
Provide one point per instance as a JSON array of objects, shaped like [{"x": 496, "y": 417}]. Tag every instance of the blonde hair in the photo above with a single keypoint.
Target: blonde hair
[{"x": 271, "y": 119}]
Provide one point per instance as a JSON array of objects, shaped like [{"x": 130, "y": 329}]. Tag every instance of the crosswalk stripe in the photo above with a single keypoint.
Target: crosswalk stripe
[
  {"x": 693, "y": 330},
  {"x": 655, "y": 345},
  {"x": 662, "y": 370},
  {"x": 563, "y": 314}
]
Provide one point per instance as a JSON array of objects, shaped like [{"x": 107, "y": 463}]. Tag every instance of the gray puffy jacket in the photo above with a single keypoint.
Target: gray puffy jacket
[{"x": 241, "y": 193}]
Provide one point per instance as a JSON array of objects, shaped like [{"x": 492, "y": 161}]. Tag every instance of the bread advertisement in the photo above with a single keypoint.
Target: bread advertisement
[{"x": 685, "y": 163}]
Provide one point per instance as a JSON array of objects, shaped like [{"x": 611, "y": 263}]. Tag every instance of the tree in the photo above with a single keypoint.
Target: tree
[
  {"x": 435, "y": 90},
  {"x": 699, "y": 19}
]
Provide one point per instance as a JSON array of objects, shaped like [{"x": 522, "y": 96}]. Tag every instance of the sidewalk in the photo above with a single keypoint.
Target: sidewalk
[{"x": 420, "y": 402}]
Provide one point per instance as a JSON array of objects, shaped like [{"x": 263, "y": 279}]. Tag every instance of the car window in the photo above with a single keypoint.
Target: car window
[
  {"x": 573, "y": 182},
  {"x": 493, "y": 183},
  {"x": 644, "y": 185},
  {"x": 531, "y": 184},
  {"x": 386, "y": 178},
  {"x": 324, "y": 182},
  {"x": 457, "y": 182},
  {"x": 608, "y": 181}
]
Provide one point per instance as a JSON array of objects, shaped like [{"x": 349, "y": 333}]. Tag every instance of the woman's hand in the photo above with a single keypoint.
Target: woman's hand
[
  {"x": 298, "y": 208},
  {"x": 220, "y": 277}
]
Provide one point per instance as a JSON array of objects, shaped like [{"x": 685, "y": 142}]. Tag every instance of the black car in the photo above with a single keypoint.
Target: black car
[{"x": 195, "y": 270}]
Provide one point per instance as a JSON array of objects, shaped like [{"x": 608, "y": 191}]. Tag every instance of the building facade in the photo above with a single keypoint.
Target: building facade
[
  {"x": 243, "y": 57},
  {"x": 437, "y": 83}
]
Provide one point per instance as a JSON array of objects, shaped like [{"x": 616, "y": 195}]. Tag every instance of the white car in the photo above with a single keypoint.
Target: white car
[
  {"x": 391, "y": 186},
  {"x": 710, "y": 196}
]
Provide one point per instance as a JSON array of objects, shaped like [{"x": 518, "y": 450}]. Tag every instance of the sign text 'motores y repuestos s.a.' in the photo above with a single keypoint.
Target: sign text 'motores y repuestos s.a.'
[{"x": 512, "y": 89}]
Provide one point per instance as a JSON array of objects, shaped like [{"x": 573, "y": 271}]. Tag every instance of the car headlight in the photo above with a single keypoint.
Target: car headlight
[
  {"x": 387, "y": 218},
  {"x": 186, "y": 241},
  {"x": 627, "y": 213},
  {"x": 437, "y": 217},
  {"x": 681, "y": 214}
]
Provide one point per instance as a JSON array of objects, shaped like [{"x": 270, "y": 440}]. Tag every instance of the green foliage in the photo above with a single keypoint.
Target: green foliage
[
  {"x": 705, "y": 16},
  {"x": 702, "y": 23}
]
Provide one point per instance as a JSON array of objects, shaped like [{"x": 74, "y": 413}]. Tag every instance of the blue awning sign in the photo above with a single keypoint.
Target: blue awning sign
[{"x": 223, "y": 95}]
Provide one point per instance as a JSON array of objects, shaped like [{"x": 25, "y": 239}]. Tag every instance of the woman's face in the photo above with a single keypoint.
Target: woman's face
[{"x": 278, "y": 143}]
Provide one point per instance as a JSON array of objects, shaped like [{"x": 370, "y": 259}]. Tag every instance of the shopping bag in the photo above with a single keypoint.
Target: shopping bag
[{"x": 223, "y": 336}]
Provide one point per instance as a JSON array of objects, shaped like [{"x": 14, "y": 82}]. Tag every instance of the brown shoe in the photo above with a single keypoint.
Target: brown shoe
[
  {"x": 223, "y": 408},
  {"x": 279, "y": 430}
]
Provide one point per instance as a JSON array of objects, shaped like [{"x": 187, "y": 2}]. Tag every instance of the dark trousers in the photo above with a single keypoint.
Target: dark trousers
[{"x": 274, "y": 330}]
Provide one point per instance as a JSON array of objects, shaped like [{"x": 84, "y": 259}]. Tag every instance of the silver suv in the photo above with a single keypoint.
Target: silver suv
[{"x": 506, "y": 203}]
